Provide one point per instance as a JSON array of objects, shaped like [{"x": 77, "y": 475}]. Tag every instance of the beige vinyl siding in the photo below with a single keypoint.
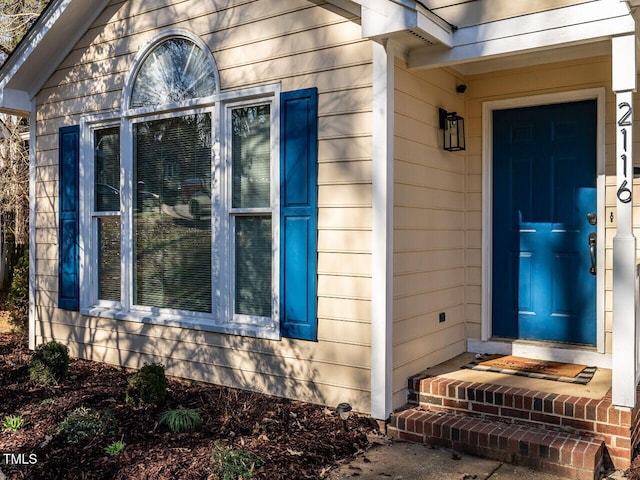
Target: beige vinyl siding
[
  {"x": 543, "y": 79},
  {"x": 301, "y": 44},
  {"x": 429, "y": 227}
]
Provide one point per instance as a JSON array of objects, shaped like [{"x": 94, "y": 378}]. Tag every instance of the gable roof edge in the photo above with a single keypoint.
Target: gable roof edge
[{"x": 43, "y": 48}]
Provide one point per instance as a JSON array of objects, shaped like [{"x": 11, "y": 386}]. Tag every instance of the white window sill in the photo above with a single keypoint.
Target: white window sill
[{"x": 270, "y": 332}]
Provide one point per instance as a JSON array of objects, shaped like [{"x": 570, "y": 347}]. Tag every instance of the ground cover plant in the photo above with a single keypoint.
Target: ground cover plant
[
  {"x": 248, "y": 434},
  {"x": 181, "y": 420},
  {"x": 12, "y": 423}
]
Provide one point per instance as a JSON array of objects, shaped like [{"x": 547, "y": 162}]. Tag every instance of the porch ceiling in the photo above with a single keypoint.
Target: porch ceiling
[
  {"x": 576, "y": 30},
  {"x": 537, "y": 57},
  {"x": 479, "y": 36}
]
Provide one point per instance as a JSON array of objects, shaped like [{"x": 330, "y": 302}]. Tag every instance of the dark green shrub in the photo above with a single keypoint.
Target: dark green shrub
[
  {"x": 18, "y": 298},
  {"x": 147, "y": 386},
  {"x": 84, "y": 423},
  {"x": 233, "y": 464},
  {"x": 181, "y": 420},
  {"x": 49, "y": 363}
]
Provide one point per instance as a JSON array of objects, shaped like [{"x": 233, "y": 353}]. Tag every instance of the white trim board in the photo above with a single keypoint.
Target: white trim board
[
  {"x": 487, "y": 203},
  {"x": 32, "y": 225},
  {"x": 382, "y": 247}
]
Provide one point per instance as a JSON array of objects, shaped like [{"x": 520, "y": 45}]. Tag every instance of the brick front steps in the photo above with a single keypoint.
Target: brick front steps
[
  {"x": 569, "y": 436},
  {"x": 559, "y": 453}
]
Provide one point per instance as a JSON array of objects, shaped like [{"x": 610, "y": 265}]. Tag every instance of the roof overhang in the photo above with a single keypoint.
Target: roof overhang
[
  {"x": 43, "y": 48},
  {"x": 424, "y": 39},
  {"x": 428, "y": 41},
  {"x": 558, "y": 28}
]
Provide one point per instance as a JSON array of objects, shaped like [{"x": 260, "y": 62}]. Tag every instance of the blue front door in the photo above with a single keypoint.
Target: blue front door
[{"x": 544, "y": 205}]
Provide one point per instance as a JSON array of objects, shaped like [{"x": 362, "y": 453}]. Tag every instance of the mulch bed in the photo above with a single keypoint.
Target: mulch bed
[{"x": 295, "y": 440}]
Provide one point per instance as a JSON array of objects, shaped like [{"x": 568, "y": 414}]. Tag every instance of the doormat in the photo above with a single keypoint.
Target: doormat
[{"x": 528, "y": 367}]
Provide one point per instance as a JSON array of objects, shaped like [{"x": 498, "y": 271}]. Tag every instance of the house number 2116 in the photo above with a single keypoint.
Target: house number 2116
[{"x": 626, "y": 110}]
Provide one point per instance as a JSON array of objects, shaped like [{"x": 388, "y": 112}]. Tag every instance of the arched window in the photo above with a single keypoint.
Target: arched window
[
  {"x": 174, "y": 71},
  {"x": 185, "y": 184}
]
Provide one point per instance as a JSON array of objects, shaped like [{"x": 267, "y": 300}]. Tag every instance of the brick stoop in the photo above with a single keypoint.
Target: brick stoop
[
  {"x": 570, "y": 436},
  {"x": 563, "y": 454}
]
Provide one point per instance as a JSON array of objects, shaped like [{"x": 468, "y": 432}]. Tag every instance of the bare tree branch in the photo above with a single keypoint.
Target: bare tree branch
[{"x": 16, "y": 16}]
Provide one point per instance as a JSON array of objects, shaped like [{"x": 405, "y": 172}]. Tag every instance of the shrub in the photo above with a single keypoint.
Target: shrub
[
  {"x": 84, "y": 423},
  {"x": 49, "y": 363},
  {"x": 12, "y": 423},
  {"x": 115, "y": 448},
  {"x": 147, "y": 386},
  {"x": 18, "y": 298},
  {"x": 232, "y": 464},
  {"x": 181, "y": 420}
]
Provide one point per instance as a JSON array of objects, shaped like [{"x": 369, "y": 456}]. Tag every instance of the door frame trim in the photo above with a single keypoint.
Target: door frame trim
[{"x": 488, "y": 107}]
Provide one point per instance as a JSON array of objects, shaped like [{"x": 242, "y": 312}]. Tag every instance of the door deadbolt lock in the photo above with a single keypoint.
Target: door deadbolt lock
[{"x": 592, "y": 218}]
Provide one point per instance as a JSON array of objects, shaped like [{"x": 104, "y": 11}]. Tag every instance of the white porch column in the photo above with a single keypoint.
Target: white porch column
[
  {"x": 382, "y": 248},
  {"x": 624, "y": 358}
]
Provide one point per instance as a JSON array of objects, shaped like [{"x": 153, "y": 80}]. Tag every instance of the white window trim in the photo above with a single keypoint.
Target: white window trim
[
  {"x": 221, "y": 320},
  {"x": 88, "y": 274},
  {"x": 144, "y": 52},
  {"x": 253, "y": 98}
]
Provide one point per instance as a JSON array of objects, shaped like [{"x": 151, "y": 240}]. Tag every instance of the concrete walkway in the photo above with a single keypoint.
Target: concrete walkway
[{"x": 410, "y": 461}]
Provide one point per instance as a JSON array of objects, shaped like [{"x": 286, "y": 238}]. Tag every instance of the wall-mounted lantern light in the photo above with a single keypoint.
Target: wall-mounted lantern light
[{"x": 452, "y": 126}]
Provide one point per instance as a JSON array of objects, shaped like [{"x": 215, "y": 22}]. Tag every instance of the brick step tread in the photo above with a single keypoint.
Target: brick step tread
[
  {"x": 456, "y": 396},
  {"x": 564, "y": 454}
]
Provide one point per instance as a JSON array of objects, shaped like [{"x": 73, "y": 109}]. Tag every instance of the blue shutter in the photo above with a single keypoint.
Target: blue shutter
[
  {"x": 68, "y": 259},
  {"x": 298, "y": 213}
]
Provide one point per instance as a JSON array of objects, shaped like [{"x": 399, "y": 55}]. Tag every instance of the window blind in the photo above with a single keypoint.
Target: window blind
[{"x": 172, "y": 247}]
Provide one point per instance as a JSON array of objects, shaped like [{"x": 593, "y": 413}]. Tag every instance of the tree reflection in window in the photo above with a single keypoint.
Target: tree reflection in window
[{"x": 176, "y": 70}]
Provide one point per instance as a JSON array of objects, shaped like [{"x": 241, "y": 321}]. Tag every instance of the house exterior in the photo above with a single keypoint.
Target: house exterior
[{"x": 256, "y": 194}]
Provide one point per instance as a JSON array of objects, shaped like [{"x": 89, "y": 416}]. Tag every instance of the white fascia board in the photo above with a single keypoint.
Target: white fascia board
[
  {"x": 381, "y": 19},
  {"x": 564, "y": 26},
  {"x": 347, "y": 5},
  {"x": 34, "y": 38},
  {"x": 384, "y": 18},
  {"x": 434, "y": 27}
]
